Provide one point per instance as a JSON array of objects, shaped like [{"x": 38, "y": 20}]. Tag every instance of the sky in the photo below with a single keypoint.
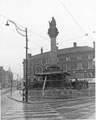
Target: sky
[{"x": 74, "y": 18}]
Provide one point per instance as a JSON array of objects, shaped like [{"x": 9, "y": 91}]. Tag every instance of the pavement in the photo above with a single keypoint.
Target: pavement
[
  {"x": 30, "y": 111},
  {"x": 53, "y": 109},
  {"x": 17, "y": 96}
]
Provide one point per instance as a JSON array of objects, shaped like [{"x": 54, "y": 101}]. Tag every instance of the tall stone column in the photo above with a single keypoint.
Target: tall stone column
[{"x": 53, "y": 32}]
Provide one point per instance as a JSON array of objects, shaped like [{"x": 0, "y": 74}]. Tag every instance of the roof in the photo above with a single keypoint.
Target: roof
[
  {"x": 64, "y": 51},
  {"x": 45, "y": 55},
  {"x": 76, "y": 49}
]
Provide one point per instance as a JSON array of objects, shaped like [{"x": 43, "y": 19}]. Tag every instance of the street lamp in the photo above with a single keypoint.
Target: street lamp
[
  {"x": 17, "y": 81},
  {"x": 25, "y": 35}
]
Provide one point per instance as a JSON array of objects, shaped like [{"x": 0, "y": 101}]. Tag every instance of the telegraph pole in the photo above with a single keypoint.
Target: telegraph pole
[
  {"x": 25, "y": 35},
  {"x": 26, "y": 93}
]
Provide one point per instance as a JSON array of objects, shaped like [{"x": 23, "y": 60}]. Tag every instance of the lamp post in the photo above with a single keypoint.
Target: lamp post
[
  {"x": 17, "y": 81},
  {"x": 25, "y": 35}
]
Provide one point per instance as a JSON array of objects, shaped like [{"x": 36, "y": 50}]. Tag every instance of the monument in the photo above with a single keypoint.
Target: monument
[{"x": 53, "y": 33}]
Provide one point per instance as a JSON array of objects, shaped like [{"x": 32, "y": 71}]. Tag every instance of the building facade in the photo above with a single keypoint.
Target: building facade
[
  {"x": 2, "y": 77},
  {"x": 77, "y": 60},
  {"x": 5, "y": 77}
]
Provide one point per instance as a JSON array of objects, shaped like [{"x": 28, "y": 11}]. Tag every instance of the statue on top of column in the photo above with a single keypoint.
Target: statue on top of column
[{"x": 52, "y": 31}]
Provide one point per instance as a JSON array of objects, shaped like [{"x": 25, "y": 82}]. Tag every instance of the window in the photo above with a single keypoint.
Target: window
[
  {"x": 73, "y": 66},
  {"x": 47, "y": 61},
  {"x": 37, "y": 70},
  {"x": 89, "y": 75},
  {"x": 40, "y": 61},
  {"x": 36, "y": 62},
  {"x": 84, "y": 57},
  {"x": 40, "y": 69},
  {"x": 79, "y": 75},
  {"x": 61, "y": 66},
  {"x": 64, "y": 66},
  {"x": 85, "y": 65},
  {"x": 44, "y": 61},
  {"x": 61, "y": 59},
  {"x": 90, "y": 65},
  {"x": 79, "y": 57},
  {"x": 67, "y": 59},
  {"x": 59, "y": 55},
  {"x": 68, "y": 66},
  {"x": 79, "y": 66},
  {"x": 90, "y": 56},
  {"x": 74, "y": 57}
]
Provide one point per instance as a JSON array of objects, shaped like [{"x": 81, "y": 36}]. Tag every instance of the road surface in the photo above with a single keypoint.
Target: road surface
[
  {"x": 6, "y": 103},
  {"x": 50, "y": 109}
]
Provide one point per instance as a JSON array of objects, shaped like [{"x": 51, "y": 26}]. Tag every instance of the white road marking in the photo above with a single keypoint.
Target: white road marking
[{"x": 45, "y": 112}]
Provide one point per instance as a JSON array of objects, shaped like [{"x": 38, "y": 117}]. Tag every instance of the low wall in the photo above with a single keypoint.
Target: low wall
[{"x": 61, "y": 93}]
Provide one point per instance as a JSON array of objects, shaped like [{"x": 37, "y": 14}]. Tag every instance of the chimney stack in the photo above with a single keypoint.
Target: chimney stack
[
  {"x": 74, "y": 44},
  {"x": 94, "y": 44},
  {"x": 57, "y": 47},
  {"x": 41, "y": 50},
  {"x": 29, "y": 55}
]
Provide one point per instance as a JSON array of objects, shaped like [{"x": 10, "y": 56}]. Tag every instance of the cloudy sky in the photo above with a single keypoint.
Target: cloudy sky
[{"x": 74, "y": 19}]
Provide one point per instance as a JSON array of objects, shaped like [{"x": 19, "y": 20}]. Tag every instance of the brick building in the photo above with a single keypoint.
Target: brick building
[{"x": 78, "y": 60}]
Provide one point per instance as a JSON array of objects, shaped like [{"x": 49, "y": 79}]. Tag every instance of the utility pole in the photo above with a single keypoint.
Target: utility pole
[
  {"x": 26, "y": 65},
  {"x": 25, "y": 35}
]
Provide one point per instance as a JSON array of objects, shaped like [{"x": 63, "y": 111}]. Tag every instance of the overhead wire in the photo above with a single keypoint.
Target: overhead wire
[
  {"x": 39, "y": 45},
  {"x": 85, "y": 34},
  {"x": 72, "y": 38},
  {"x": 83, "y": 31},
  {"x": 37, "y": 34},
  {"x": 73, "y": 18}
]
